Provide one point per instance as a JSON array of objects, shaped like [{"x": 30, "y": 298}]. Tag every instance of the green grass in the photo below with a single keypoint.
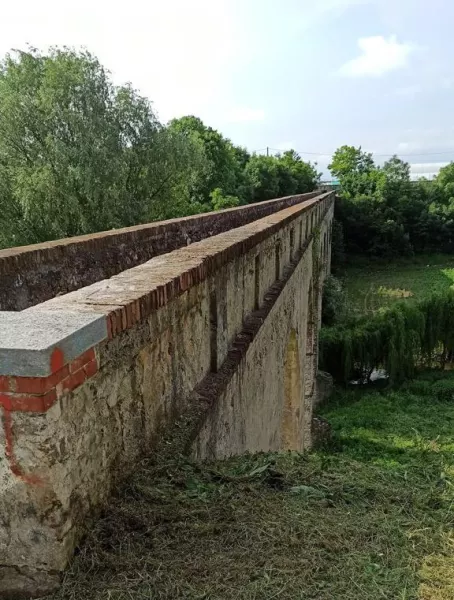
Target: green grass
[
  {"x": 369, "y": 517},
  {"x": 374, "y": 285}
]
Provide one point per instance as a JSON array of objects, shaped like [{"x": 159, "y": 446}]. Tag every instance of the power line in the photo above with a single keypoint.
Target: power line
[{"x": 451, "y": 152}]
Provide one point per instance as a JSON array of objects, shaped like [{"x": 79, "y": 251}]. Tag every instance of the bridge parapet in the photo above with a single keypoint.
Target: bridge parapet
[
  {"x": 32, "y": 274},
  {"x": 212, "y": 335}
]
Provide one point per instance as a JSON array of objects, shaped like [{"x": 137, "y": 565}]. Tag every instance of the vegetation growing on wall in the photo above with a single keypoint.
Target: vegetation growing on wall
[{"x": 78, "y": 155}]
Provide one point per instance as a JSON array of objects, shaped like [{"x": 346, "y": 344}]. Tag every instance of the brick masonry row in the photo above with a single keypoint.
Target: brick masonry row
[{"x": 38, "y": 394}]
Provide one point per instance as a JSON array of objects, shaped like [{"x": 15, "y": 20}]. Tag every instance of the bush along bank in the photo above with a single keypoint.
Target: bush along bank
[{"x": 399, "y": 339}]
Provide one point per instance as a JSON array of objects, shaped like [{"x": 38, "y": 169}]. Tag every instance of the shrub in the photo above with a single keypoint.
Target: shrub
[{"x": 334, "y": 303}]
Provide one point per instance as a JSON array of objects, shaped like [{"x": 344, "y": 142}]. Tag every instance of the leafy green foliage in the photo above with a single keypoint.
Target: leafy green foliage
[
  {"x": 334, "y": 305},
  {"x": 398, "y": 339},
  {"x": 337, "y": 245},
  {"x": 79, "y": 155},
  {"x": 281, "y": 175},
  {"x": 383, "y": 213},
  {"x": 219, "y": 201},
  {"x": 223, "y": 164},
  {"x": 348, "y": 160}
]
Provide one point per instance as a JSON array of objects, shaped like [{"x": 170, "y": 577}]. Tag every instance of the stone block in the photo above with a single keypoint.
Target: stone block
[{"x": 38, "y": 343}]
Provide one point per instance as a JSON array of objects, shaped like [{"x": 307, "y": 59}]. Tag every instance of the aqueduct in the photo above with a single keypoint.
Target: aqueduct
[{"x": 108, "y": 341}]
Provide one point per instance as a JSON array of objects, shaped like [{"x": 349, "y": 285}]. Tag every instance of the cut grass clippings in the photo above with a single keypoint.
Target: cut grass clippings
[{"x": 369, "y": 517}]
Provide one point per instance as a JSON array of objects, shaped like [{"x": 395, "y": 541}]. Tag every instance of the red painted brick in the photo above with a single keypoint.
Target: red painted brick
[
  {"x": 38, "y": 385},
  {"x": 4, "y": 383},
  {"x": 91, "y": 368},
  {"x": 72, "y": 382},
  {"x": 27, "y": 402},
  {"x": 78, "y": 378},
  {"x": 82, "y": 360},
  {"x": 5, "y": 401},
  {"x": 57, "y": 360}
]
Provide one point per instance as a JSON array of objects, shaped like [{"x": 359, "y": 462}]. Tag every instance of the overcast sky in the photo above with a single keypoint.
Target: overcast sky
[{"x": 306, "y": 74}]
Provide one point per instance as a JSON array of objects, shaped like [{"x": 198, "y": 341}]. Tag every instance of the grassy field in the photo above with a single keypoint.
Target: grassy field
[
  {"x": 373, "y": 285},
  {"x": 369, "y": 517}
]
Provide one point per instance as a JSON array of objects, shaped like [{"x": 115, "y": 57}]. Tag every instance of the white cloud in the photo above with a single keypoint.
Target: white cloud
[
  {"x": 243, "y": 114},
  {"x": 285, "y": 146},
  {"x": 409, "y": 91},
  {"x": 378, "y": 56},
  {"x": 428, "y": 170}
]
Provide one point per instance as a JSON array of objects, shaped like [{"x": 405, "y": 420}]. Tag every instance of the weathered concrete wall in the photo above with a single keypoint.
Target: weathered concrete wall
[
  {"x": 212, "y": 335},
  {"x": 32, "y": 274}
]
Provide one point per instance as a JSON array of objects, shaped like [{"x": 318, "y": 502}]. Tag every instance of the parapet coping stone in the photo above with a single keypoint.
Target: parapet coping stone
[{"x": 28, "y": 339}]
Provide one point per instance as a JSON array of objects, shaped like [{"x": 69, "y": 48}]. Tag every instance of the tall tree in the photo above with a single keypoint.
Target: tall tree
[
  {"x": 282, "y": 175},
  {"x": 76, "y": 153},
  {"x": 223, "y": 163},
  {"x": 263, "y": 173},
  {"x": 296, "y": 175},
  {"x": 348, "y": 160}
]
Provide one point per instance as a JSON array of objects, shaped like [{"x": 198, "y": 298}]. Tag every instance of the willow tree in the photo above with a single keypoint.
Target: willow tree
[{"x": 78, "y": 154}]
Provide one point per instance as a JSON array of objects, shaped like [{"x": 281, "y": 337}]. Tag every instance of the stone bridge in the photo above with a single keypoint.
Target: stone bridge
[{"x": 198, "y": 335}]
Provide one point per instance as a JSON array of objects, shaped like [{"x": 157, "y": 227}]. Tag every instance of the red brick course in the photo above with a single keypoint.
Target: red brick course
[
  {"x": 38, "y": 394},
  {"x": 133, "y": 295}
]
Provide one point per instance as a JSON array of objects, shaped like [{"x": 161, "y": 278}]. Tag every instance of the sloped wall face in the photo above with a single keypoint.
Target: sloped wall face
[
  {"x": 211, "y": 337},
  {"x": 269, "y": 401},
  {"x": 263, "y": 407}
]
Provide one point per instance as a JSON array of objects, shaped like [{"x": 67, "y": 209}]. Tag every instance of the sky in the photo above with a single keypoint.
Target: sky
[{"x": 310, "y": 75}]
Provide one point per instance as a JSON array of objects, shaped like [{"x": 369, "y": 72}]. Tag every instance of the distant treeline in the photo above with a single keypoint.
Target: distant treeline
[{"x": 382, "y": 213}]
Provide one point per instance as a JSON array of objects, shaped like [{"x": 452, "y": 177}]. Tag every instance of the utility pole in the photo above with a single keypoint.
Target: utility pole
[{"x": 267, "y": 151}]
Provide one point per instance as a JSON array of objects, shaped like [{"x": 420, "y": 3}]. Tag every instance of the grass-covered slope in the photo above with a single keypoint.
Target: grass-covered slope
[{"x": 370, "y": 517}]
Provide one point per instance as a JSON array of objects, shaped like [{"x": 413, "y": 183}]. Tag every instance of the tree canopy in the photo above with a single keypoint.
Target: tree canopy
[
  {"x": 382, "y": 212},
  {"x": 282, "y": 175},
  {"x": 79, "y": 154}
]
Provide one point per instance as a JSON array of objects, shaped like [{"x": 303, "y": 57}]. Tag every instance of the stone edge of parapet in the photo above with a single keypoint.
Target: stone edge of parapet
[{"x": 33, "y": 378}]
